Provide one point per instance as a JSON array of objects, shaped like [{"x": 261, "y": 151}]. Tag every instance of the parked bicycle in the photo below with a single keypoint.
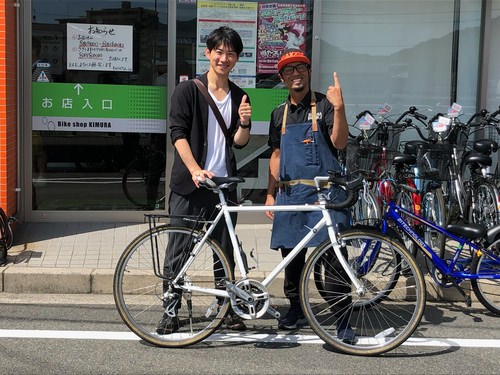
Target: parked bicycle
[
  {"x": 143, "y": 180},
  {"x": 6, "y": 235},
  {"x": 383, "y": 305},
  {"x": 476, "y": 256}
]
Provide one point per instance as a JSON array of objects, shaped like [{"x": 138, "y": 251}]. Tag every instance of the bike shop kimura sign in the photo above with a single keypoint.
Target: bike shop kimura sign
[{"x": 99, "y": 107}]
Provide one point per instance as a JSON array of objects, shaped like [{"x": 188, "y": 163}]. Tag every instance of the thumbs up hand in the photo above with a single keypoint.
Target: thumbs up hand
[
  {"x": 245, "y": 111},
  {"x": 334, "y": 93}
]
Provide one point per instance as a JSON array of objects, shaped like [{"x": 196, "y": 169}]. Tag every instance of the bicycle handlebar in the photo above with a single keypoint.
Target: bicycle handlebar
[{"x": 352, "y": 187}]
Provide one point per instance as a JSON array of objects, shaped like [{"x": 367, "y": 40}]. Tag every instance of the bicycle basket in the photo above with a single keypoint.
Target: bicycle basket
[
  {"x": 433, "y": 161},
  {"x": 362, "y": 156}
]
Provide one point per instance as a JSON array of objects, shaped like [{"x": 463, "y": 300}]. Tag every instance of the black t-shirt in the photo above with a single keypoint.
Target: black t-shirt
[{"x": 301, "y": 113}]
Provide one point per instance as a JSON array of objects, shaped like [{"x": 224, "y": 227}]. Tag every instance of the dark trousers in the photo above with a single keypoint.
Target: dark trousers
[
  {"x": 187, "y": 205},
  {"x": 337, "y": 282}
]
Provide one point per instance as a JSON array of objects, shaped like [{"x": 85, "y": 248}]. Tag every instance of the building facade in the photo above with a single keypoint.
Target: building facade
[{"x": 85, "y": 85}]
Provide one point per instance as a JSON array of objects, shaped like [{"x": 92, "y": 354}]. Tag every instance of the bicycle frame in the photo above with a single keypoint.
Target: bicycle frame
[
  {"x": 225, "y": 212},
  {"x": 452, "y": 270}
]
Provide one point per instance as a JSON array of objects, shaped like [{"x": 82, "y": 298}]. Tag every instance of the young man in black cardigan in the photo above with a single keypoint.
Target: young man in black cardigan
[{"x": 202, "y": 151}]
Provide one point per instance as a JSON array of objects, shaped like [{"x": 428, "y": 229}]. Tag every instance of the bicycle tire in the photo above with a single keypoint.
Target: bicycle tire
[
  {"x": 433, "y": 210},
  {"x": 139, "y": 292},
  {"x": 405, "y": 200},
  {"x": 5, "y": 230},
  {"x": 487, "y": 289},
  {"x": 380, "y": 326},
  {"x": 485, "y": 209},
  {"x": 361, "y": 262},
  {"x": 366, "y": 210},
  {"x": 136, "y": 190}
]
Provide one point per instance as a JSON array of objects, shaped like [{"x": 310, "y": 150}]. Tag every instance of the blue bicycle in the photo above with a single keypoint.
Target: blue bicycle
[{"x": 474, "y": 254}]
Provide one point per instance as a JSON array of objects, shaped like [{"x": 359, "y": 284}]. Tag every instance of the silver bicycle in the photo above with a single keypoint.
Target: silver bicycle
[{"x": 383, "y": 298}]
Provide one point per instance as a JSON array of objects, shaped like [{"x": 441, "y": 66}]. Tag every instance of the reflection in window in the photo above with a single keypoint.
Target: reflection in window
[{"x": 107, "y": 158}]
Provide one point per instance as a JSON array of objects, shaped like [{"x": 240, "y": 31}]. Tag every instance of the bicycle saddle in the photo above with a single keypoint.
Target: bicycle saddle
[
  {"x": 219, "y": 181},
  {"x": 485, "y": 146},
  {"x": 412, "y": 147},
  {"x": 471, "y": 230}
]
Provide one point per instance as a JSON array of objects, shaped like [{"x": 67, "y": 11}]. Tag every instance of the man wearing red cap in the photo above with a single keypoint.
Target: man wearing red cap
[{"x": 305, "y": 133}]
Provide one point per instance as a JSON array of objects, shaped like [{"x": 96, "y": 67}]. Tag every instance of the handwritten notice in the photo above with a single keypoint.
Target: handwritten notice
[{"x": 99, "y": 47}]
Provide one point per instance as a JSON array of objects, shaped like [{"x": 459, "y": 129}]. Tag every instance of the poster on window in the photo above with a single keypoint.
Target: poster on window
[
  {"x": 99, "y": 47},
  {"x": 280, "y": 26},
  {"x": 240, "y": 16}
]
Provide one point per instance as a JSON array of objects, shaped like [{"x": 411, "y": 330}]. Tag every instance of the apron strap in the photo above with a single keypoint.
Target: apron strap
[
  {"x": 313, "y": 114},
  {"x": 313, "y": 111}
]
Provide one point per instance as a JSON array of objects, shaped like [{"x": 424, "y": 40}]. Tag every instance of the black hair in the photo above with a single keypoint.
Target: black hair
[{"x": 225, "y": 36}]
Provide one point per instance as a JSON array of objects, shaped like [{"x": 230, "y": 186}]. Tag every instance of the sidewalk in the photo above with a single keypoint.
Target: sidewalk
[
  {"x": 79, "y": 258},
  {"x": 53, "y": 258}
]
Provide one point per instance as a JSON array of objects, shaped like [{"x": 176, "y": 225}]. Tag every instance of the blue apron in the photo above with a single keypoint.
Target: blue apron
[{"x": 304, "y": 154}]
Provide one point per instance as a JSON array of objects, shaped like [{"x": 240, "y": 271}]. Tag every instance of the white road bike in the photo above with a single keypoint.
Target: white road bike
[{"x": 383, "y": 302}]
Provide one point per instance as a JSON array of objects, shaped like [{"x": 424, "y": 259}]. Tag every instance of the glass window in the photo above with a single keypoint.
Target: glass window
[
  {"x": 394, "y": 52},
  {"x": 99, "y": 100},
  {"x": 493, "y": 90}
]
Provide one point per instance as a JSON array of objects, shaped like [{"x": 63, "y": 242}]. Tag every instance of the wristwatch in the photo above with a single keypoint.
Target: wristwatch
[{"x": 248, "y": 126}]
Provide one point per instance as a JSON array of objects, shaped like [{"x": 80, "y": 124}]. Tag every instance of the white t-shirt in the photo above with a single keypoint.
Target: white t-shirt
[{"x": 216, "y": 153}]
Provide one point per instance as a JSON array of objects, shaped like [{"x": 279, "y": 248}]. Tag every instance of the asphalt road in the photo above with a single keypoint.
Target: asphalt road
[{"x": 83, "y": 334}]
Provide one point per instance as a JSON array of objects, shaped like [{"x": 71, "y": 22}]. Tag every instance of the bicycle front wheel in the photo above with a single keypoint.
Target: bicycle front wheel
[
  {"x": 433, "y": 210},
  {"x": 487, "y": 286},
  {"x": 366, "y": 210},
  {"x": 383, "y": 313},
  {"x": 140, "y": 290}
]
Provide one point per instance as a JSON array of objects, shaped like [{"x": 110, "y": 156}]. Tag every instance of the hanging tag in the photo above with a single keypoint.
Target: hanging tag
[
  {"x": 385, "y": 109},
  {"x": 441, "y": 125},
  {"x": 366, "y": 122},
  {"x": 454, "y": 110}
]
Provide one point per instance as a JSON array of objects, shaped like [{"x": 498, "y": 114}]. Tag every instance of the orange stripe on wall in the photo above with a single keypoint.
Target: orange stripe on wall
[{"x": 8, "y": 107}]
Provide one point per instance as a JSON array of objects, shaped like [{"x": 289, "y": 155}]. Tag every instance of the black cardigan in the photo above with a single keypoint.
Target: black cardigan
[{"x": 188, "y": 119}]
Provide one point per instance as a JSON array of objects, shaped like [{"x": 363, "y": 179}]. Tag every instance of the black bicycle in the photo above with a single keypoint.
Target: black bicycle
[
  {"x": 143, "y": 181},
  {"x": 6, "y": 236}
]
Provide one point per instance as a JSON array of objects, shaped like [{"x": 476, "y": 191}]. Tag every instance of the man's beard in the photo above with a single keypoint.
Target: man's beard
[{"x": 298, "y": 89}]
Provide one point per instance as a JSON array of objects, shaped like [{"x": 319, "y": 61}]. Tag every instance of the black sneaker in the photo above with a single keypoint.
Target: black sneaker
[
  {"x": 293, "y": 319},
  {"x": 346, "y": 333},
  {"x": 168, "y": 325},
  {"x": 234, "y": 322}
]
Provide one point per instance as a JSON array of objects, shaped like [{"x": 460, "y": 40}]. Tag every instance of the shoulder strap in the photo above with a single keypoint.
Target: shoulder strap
[{"x": 212, "y": 104}]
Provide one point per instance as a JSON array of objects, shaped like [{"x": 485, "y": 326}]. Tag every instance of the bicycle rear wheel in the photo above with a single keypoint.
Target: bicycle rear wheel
[
  {"x": 485, "y": 208},
  {"x": 5, "y": 230},
  {"x": 384, "y": 314},
  {"x": 139, "y": 291},
  {"x": 145, "y": 189},
  {"x": 485, "y": 287}
]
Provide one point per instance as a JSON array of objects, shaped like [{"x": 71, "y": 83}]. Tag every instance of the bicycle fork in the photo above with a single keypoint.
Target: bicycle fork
[{"x": 360, "y": 289}]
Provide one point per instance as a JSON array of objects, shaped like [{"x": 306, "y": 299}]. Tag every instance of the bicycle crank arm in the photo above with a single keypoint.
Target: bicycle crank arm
[
  {"x": 239, "y": 292},
  {"x": 275, "y": 313}
]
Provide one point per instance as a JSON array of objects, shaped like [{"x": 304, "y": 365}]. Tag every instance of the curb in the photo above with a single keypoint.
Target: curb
[{"x": 38, "y": 280}]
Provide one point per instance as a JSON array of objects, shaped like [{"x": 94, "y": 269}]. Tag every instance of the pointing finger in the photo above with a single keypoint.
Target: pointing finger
[{"x": 336, "y": 79}]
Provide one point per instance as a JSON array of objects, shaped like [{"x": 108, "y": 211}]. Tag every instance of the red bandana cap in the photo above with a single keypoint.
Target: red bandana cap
[{"x": 292, "y": 55}]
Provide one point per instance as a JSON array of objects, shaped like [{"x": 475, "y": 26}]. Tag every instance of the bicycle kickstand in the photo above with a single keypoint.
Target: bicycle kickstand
[{"x": 467, "y": 298}]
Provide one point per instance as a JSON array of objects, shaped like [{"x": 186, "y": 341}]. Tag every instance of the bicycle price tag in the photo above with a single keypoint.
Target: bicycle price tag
[
  {"x": 366, "y": 122},
  {"x": 441, "y": 125},
  {"x": 385, "y": 109},
  {"x": 454, "y": 110}
]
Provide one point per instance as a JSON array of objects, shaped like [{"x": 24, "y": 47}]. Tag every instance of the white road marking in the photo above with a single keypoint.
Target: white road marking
[{"x": 237, "y": 337}]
